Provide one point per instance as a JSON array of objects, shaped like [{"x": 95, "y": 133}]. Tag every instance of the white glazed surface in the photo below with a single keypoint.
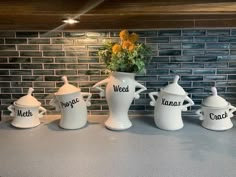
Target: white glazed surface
[
  {"x": 120, "y": 92},
  {"x": 73, "y": 109},
  {"x": 216, "y": 118},
  {"x": 26, "y": 117},
  {"x": 168, "y": 110}
]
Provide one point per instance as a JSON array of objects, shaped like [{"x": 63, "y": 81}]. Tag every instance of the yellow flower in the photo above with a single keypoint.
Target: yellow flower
[
  {"x": 124, "y": 35},
  {"x": 116, "y": 48},
  {"x": 126, "y": 44},
  {"x": 133, "y": 37},
  {"x": 131, "y": 47}
]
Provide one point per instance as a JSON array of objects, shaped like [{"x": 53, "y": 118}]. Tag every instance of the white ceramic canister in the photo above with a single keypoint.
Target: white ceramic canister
[
  {"x": 216, "y": 112},
  {"x": 120, "y": 92},
  {"x": 26, "y": 111},
  {"x": 70, "y": 102},
  {"x": 169, "y": 106}
]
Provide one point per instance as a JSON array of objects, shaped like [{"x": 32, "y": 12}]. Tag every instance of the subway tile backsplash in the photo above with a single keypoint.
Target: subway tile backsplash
[{"x": 202, "y": 57}]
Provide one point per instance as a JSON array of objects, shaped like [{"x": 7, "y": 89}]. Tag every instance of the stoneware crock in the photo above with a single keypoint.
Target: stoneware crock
[
  {"x": 216, "y": 112},
  {"x": 69, "y": 100},
  {"x": 26, "y": 111},
  {"x": 169, "y": 106}
]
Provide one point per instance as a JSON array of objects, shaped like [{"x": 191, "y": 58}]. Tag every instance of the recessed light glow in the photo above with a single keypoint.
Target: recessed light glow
[{"x": 71, "y": 21}]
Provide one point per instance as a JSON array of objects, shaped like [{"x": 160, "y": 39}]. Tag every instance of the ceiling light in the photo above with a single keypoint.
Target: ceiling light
[{"x": 71, "y": 21}]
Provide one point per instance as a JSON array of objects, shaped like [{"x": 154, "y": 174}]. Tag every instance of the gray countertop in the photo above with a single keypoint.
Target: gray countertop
[{"x": 94, "y": 151}]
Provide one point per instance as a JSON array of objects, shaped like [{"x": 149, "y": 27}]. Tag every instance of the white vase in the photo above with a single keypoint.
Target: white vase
[{"x": 120, "y": 92}]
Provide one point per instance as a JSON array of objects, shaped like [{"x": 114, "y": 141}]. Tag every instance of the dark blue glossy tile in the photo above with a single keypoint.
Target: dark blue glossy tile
[
  {"x": 203, "y": 84},
  {"x": 215, "y": 77},
  {"x": 181, "y": 39},
  {"x": 169, "y": 65},
  {"x": 226, "y": 71},
  {"x": 217, "y": 45},
  {"x": 157, "y": 71},
  {"x": 192, "y": 78},
  {"x": 218, "y": 32},
  {"x": 227, "y": 39},
  {"x": 225, "y": 83},
  {"x": 157, "y": 40},
  {"x": 192, "y": 65},
  {"x": 181, "y": 59},
  {"x": 232, "y": 77},
  {"x": 204, "y": 71},
  {"x": 216, "y": 65},
  {"x": 180, "y": 71},
  {"x": 196, "y": 32},
  {"x": 193, "y": 52},
  {"x": 205, "y": 58},
  {"x": 169, "y": 52},
  {"x": 169, "y": 46},
  {"x": 216, "y": 52},
  {"x": 206, "y": 39},
  {"x": 193, "y": 45},
  {"x": 160, "y": 59},
  {"x": 169, "y": 33}
]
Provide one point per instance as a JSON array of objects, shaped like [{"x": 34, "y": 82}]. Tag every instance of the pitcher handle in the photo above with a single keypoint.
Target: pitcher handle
[
  {"x": 151, "y": 95},
  {"x": 143, "y": 88},
  {"x": 54, "y": 103},
  {"x": 102, "y": 91},
  {"x": 231, "y": 110},
  {"x": 42, "y": 111},
  {"x": 88, "y": 103},
  {"x": 199, "y": 112},
  {"x": 190, "y": 103},
  {"x": 12, "y": 109}
]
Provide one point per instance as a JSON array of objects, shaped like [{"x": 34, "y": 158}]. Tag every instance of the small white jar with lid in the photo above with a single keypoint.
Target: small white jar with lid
[
  {"x": 26, "y": 111},
  {"x": 216, "y": 112}
]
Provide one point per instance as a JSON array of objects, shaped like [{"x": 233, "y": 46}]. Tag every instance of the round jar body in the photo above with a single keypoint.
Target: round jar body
[
  {"x": 26, "y": 117},
  {"x": 216, "y": 118},
  {"x": 73, "y": 110},
  {"x": 168, "y": 111}
]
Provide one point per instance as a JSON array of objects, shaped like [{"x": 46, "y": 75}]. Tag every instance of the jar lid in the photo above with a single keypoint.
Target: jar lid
[
  {"x": 67, "y": 88},
  {"x": 28, "y": 100},
  {"x": 214, "y": 100},
  {"x": 175, "y": 88}
]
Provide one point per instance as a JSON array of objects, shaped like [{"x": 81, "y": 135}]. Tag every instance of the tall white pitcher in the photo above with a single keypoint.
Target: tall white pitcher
[{"x": 120, "y": 92}]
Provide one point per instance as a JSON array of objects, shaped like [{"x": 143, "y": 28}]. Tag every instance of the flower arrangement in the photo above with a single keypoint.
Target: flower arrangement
[{"x": 127, "y": 55}]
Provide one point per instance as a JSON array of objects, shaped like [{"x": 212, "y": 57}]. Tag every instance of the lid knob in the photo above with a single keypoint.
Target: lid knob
[
  {"x": 30, "y": 90},
  {"x": 64, "y": 78},
  {"x": 176, "y": 79},
  {"x": 214, "y": 91}
]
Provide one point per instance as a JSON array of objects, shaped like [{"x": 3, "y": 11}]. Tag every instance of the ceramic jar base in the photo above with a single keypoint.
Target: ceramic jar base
[
  {"x": 113, "y": 124},
  {"x": 217, "y": 128},
  {"x": 25, "y": 124},
  {"x": 71, "y": 126},
  {"x": 170, "y": 128}
]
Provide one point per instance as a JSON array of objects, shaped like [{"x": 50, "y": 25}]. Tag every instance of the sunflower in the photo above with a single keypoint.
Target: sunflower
[
  {"x": 116, "y": 48},
  {"x": 124, "y": 35},
  {"x": 133, "y": 37}
]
